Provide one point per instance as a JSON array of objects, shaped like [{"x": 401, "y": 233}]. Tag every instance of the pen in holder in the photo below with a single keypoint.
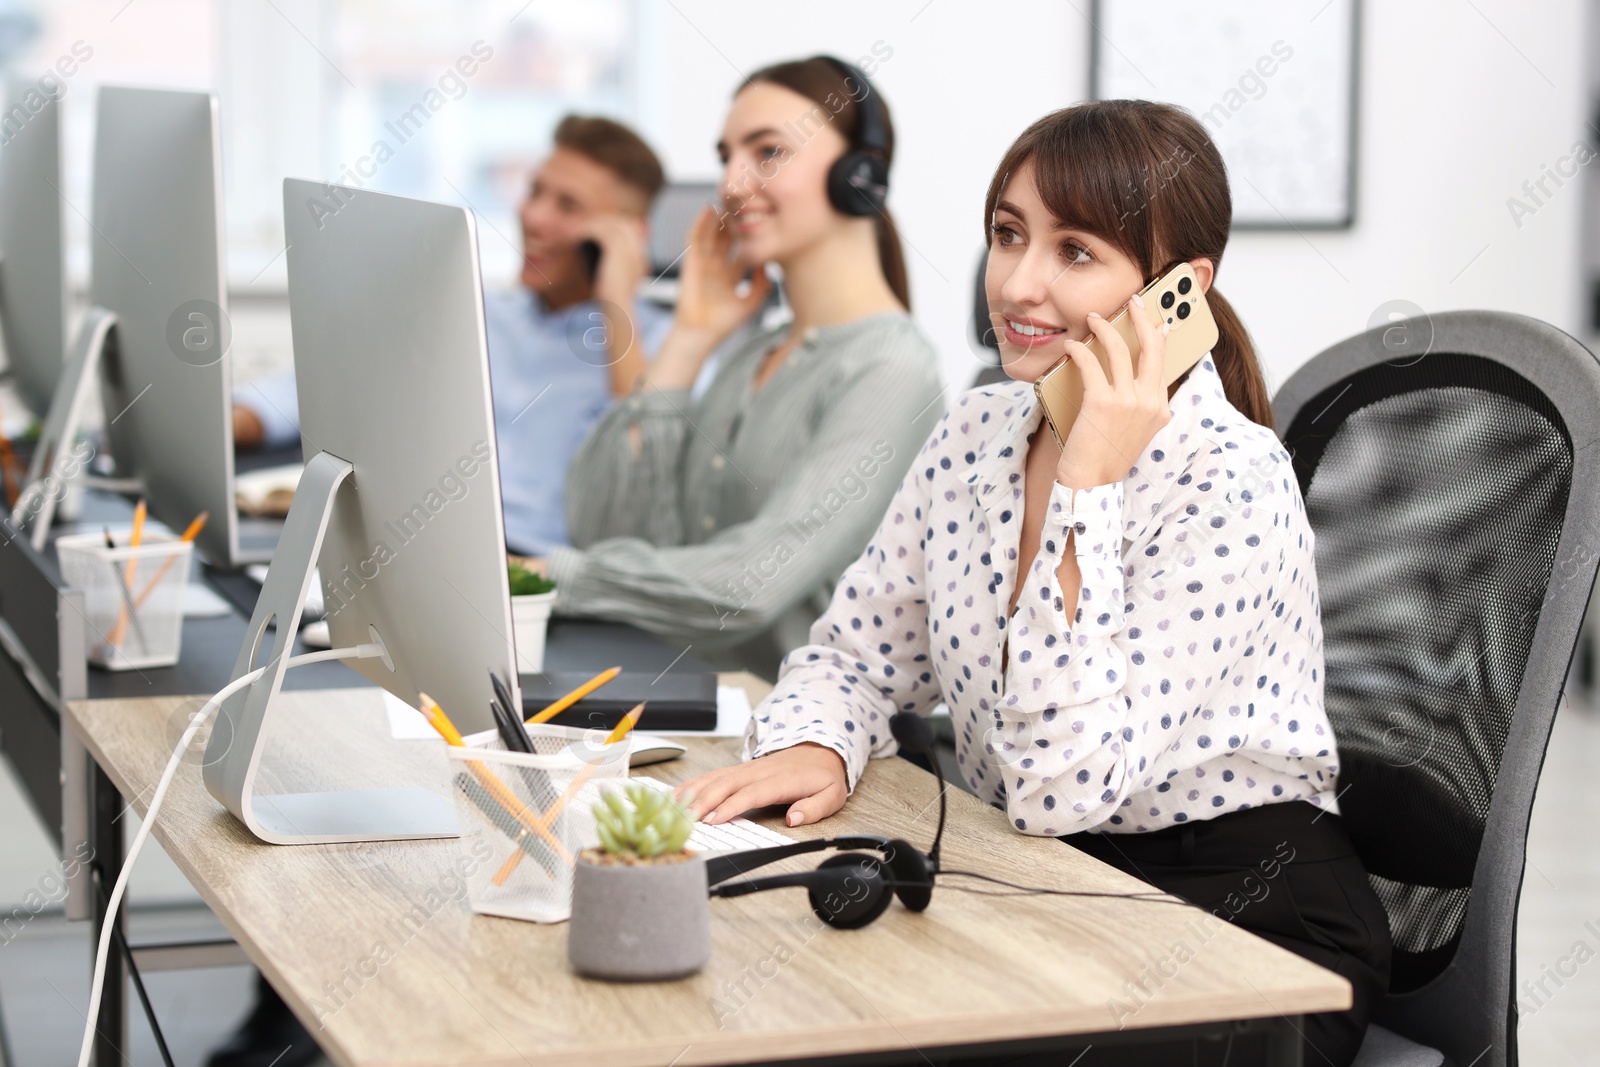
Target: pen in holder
[
  {"x": 133, "y": 598},
  {"x": 524, "y": 817}
]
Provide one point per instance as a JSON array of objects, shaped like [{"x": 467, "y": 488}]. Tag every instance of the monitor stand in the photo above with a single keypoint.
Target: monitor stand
[
  {"x": 233, "y": 754},
  {"x": 36, "y": 504}
]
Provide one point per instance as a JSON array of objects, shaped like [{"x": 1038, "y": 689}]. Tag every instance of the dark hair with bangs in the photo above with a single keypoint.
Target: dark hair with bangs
[{"x": 1147, "y": 178}]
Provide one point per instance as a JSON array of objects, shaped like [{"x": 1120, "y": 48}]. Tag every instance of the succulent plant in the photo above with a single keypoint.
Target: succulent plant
[{"x": 642, "y": 821}]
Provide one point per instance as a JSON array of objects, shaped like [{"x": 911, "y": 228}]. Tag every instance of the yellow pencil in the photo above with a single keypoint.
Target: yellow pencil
[
  {"x": 629, "y": 721},
  {"x": 439, "y": 720},
  {"x": 576, "y": 695},
  {"x": 129, "y": 569},
  {"x": 193, "y": 529},
  {"x": 189, "y": 534}
]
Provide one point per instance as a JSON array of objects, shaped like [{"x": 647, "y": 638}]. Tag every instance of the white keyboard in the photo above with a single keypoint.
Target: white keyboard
[{"x": 735, "y": 835}]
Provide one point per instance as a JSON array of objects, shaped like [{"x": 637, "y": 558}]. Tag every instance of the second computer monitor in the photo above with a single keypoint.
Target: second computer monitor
[{"x": 159, "y": 267}]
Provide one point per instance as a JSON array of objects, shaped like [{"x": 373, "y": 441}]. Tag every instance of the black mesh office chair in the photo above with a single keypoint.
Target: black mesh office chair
[
  {"x": 986, "y": 346},
  {"x": 1453, "y": 485}
]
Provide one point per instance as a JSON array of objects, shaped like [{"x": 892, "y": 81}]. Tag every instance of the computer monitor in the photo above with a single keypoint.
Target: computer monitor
[
  {"x": 33, "y": 288},
  {"x": 671, "y": 218},
  {"x": 158, "y": 266},
  {"x": 399, "y": 507}
]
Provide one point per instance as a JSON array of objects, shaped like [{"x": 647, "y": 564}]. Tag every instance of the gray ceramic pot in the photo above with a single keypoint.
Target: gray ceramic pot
[{"x": 642, "y": 923}]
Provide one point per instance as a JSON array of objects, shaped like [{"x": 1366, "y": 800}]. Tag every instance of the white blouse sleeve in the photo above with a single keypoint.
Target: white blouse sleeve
[{"x": 868, "y": 654}]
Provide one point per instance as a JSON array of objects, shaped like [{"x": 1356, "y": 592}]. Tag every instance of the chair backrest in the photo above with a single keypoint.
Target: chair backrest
[
  {"x": 1452, "y": 483},
  {"x": 985, "y": 344}
]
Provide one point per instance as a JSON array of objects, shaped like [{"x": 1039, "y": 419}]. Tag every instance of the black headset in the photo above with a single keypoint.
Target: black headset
[
  {"x": 858, "y": 181},
  {"x": 850, "y": 890}
]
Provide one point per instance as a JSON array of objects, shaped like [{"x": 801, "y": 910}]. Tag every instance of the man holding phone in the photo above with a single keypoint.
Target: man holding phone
[{"x": 571, "y": 338}]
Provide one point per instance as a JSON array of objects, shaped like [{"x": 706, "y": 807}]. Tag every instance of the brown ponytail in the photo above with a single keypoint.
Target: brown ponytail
[
  {"x": 1147, "y": 178},
  {"x": 891, "y": 258},
  {"x": 818, "y": 79},
  {"x": 1235, "y": 358}
]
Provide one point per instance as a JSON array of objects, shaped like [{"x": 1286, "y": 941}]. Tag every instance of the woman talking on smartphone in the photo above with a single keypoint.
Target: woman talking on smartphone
[
  {"x": 1125, "y": 625},
  {"x": 724, "y": 522}
]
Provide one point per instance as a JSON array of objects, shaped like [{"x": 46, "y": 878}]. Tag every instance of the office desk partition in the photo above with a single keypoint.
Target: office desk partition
[{"x": 375, "y": 947}]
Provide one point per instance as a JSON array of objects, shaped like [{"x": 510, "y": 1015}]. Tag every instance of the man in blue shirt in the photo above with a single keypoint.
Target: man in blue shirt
[{"x": 561, "y": 346}]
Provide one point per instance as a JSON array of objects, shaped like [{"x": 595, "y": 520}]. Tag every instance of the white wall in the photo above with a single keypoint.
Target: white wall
[
  {"x": 1459, "y": 105},
  {"x": 1452, "y": 121}
]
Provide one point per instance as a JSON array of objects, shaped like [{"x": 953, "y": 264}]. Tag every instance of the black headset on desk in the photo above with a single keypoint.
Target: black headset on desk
[
  {"x": 833, "y": 886},
  {"x": 850, "y": 890}
]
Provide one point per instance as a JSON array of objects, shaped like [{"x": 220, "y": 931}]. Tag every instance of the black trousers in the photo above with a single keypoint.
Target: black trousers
[{"x": 1285, "y": 872}]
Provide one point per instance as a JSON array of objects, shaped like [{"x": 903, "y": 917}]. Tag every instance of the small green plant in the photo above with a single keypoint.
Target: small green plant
[
  {"x": 526, "y": 583},
  {"x": 639, "y": 821}
]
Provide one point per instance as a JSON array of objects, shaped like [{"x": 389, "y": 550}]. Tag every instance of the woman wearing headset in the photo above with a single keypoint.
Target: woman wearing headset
[
  {"x": 1125, "y": 627},
  {"x": 724, "y": 523}
]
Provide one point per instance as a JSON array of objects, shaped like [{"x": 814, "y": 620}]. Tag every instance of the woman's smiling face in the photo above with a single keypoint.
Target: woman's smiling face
[
  {"x": 774, "y": 183},
  {"x": 1043, "y": 279}
]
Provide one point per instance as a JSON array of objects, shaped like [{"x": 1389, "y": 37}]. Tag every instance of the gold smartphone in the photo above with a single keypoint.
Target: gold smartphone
[{"x": 1176, "y": 298}]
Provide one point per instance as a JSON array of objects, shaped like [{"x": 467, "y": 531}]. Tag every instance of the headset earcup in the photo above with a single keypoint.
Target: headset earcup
[
  {"x": 850, "y": 179},
  {"x": 849, "y": 890},
  {"x": 908, "y": 867}
]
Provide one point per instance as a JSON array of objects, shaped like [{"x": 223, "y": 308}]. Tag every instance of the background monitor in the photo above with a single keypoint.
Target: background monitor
[
  {"x": 159, "y": 266},
  {"x": 672, "y": 216},
  {"x": 33, "y": 289}
]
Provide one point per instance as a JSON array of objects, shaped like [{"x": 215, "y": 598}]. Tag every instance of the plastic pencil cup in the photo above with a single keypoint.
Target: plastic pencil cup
[
  {"x": 133, "y": 598},
  {"x": 524, "y": 817}
]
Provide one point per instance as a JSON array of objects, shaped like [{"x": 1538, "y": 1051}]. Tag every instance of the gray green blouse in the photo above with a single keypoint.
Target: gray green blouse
[{"x": 728, "y": 527}]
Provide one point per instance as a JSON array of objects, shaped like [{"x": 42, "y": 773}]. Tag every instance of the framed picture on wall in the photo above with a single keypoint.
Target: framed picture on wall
[{"x": 1274, "y": 82}]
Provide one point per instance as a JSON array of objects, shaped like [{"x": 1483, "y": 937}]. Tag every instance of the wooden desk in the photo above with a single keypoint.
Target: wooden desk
[{"x": 328, "y": 926}]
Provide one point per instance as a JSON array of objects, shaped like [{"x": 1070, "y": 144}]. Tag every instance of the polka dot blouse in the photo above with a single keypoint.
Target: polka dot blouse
[{"x": 1184, "y": 683}]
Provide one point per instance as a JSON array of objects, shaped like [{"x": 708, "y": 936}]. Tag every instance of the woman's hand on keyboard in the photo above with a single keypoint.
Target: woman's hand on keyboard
[{"x": 810, "y": 778}]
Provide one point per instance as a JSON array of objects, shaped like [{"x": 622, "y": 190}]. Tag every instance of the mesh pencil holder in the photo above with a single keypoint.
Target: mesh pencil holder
[
  {"x": 524, "y": 817},
  {"x": 132, "y": 598}
]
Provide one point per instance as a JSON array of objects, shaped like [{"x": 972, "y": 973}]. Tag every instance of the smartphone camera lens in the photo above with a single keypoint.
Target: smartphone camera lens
[
  {"x": 1167, "y": 298},
  {"x": 1183, "y": 285},
  {"x": 1183, "y": 310}
]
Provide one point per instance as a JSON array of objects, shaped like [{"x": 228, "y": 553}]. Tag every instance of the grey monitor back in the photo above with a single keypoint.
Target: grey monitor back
[
  {"x": 158, "y": 264},
  {"x": 391, "y": 367},
  {"x": 33, "y": 290},
  {"x": 671, "y": 218}
]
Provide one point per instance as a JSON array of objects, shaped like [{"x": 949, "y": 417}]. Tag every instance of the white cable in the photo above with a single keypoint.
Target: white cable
[{"x": 371, "y": 650}]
